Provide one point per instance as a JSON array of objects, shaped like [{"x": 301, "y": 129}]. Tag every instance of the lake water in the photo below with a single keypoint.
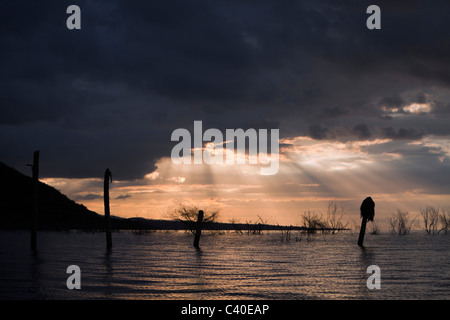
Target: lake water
[{"x": 159, "y": 265}]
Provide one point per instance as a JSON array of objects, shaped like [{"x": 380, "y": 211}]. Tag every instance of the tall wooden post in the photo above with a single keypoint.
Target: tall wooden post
[
  {"x": 362, "y": 232},
  {"x": 107, "y": 180},
  {"x": 198, "y": 230},
  {"x": 35, "y": 200}
]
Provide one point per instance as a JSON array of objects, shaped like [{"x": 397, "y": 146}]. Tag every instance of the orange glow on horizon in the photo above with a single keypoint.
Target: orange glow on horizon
[{"x": 311, "y": 173}]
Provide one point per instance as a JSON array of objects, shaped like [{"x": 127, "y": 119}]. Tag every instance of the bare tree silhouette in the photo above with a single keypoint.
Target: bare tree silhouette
[
  {"x": 335, "y": 214},
  {"x": 313, "y": 222},
  {"x": 255, "y": 227},
  {"x": 430, "y": 216},
  {"x": 400, "y": 222},
  {"x": 375, "y": 228},
  {"x": 188, "y": 215},
  {"x": 444, "y": 219}
]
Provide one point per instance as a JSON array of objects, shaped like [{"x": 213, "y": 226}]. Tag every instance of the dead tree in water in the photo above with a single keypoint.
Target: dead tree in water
[
  {"x": 367, "y": 213},
  {"x": 188, "y": 215},
  {"x": 35, "y": 199},
  {"x": 430, "y": 217},
  {"x": 400, "y": 222},
  {"x": 444, "y": 218},
  {"x": 107, "y": 180},
  {"x": 335, "y": 214}
]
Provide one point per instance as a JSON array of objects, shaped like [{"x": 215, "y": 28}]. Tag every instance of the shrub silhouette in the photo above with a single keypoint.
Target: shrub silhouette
[
  {"x": 188, "y": 215},
  {"x": 400, "y": 222}
]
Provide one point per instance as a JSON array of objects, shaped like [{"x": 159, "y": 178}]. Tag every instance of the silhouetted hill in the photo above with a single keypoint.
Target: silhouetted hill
[{"x": 58, "y": 212}]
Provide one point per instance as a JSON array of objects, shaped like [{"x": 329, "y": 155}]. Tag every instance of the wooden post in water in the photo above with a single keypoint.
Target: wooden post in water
[
  {"x": 198, "y": 229},
  {"x": 362, "y": 232},
  {"x": 367, "y": 214},
  {"x": 107, "y": 180},
  {"x": 35, "y": 199}
]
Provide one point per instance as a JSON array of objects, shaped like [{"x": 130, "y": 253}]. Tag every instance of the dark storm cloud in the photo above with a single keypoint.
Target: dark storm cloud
[
  {"x": 110, "y": 94},
  {"x": 392, "y": 102},
  {"x": 426, "y": 166},
  {"x": 402, "y": 133},
  {"x": 359, "y": 132},
  {"x": 362, "y": 131},
  {"x": 318, "y": 131}
]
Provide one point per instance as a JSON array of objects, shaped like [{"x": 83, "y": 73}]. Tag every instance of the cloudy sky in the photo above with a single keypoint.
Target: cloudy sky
[{"x": 360, "y": 112}]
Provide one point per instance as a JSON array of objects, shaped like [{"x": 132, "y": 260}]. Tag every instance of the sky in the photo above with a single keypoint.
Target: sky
[{"x": 360, "y": 112}]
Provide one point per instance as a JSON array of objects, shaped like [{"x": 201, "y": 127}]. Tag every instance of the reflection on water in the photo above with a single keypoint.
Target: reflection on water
[
  {"x": 108, "y": 274},
  {"x": 161, "y": 265},
  {"x": 36, "y": 282}
]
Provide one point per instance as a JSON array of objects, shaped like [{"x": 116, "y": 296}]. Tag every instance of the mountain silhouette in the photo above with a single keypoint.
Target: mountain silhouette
[{"x": 58, "y": 212}]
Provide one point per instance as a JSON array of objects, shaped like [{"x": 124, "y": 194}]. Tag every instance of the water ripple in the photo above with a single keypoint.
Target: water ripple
[{"x": 229, "y": 266}]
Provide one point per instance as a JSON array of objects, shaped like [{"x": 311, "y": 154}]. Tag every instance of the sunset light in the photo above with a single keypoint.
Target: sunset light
[{"x": 224, "y": 154}]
